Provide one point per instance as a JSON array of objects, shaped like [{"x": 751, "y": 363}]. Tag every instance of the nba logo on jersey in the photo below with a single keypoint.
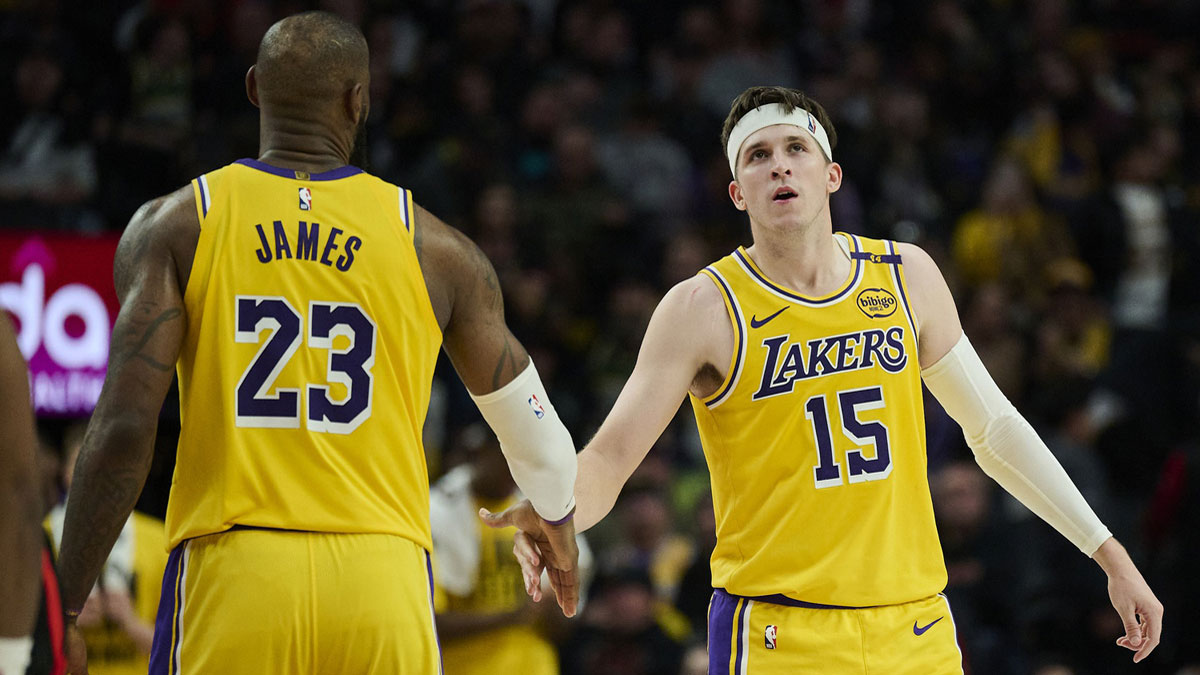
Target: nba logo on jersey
[
  {"x": 305, "y": 199},
  {"x": 770, "y": 635},
  {"x": 536, "y": 406}
]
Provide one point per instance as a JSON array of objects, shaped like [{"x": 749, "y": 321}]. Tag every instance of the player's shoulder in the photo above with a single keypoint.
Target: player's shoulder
[
  {"x": 162, "y": 219},
  {"x": 920, "y": 269},
  {"x": 169, "y": 220},
  {"x": 164, "y": 226},
  {"x": 694, "y": 304},
  {"x": 695, "y": 294},
  {"x": 174, "y": 209}
]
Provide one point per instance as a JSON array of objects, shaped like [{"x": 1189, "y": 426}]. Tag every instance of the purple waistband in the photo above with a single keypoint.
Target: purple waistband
[{"x": 781, "y": 599}]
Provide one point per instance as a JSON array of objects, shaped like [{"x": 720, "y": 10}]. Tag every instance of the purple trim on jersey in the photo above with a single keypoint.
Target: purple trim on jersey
[
  {"x": 900, "y": 285},
  {"x": 866, "y": 255},
  {"x": 332, "y": 174},
  {"x": 163, "y": 645},
  {"x": 408, "y": 210},
  {"x": 858, "y": 268},
  {"x": 436, "y": 639},
  {"x": 720, "y": 631},
  {"x": 562, "y": 520},
  {"x": 203, "y": 196},
  {"x": 741, "y": 336}
]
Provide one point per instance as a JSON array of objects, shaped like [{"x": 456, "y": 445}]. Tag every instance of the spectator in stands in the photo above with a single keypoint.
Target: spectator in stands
[{"x": 47, "y": 165}]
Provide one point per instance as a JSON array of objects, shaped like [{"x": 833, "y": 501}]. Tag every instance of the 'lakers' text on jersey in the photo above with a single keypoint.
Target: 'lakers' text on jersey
[
  {"x": 311, "y": 342},
  {"x": 815, "y": 440}
]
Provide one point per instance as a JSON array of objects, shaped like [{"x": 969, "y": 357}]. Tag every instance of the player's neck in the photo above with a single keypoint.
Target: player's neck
[
  {"x": 808, "y": 260},
  {"x": 301, "y": 145}
]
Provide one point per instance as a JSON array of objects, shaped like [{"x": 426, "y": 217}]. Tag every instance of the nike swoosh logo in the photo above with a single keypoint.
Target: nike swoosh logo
[
  {"x": 755, "y": 323},
  {"x": 921, "y": 630}
]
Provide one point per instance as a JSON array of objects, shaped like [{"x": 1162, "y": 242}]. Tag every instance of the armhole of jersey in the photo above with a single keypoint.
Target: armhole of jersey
[
  {"x": 739, "y": 339},
  {"x": 898, "y": 276},
  {"x": 405, "y": 205},
  {"x": 203, "y": 197}
]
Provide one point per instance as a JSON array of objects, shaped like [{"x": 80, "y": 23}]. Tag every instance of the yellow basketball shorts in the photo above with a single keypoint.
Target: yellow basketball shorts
[
  {"x": 748, "y": 636},
  {"x": 260, "y": 601}
]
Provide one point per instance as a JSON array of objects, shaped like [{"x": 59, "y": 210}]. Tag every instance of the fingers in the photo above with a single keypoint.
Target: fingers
[
  {"x": 1145, "y": 636},
  {"x": 496, "y": 520},
  {"x": 1151, "y": 631},
  {"x": 1133, "y": 631},
  {"x": 566, "y": 589},
  {"x": 526, "y": 553},
  {"x": 562, "y": 559},
  {"x": 525, "y": 550}
]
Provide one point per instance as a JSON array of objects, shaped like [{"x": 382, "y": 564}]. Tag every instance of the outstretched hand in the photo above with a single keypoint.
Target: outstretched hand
[{"x": 539, "y": 545}]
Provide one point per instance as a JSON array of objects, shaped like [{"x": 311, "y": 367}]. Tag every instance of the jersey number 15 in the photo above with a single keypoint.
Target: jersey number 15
[
  {"x": 827, "y": 472},
  {"x": 259, "y": 406}
]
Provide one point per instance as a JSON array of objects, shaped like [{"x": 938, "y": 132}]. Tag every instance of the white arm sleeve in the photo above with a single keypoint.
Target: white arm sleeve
[
  {"x": 1008, "y": 449},
  {"x": 539, "y": 449}
]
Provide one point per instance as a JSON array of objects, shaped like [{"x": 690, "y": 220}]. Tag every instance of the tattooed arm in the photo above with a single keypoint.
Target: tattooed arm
[
  {"x": 497, "y": 371},
  {"x": 469, "y": 306},
  {"x": 149, "y": 272}
]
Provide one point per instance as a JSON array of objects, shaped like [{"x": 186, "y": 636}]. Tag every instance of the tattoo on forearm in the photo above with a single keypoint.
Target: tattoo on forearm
[
  {"x": 101, "y": 501},
  {"x": 496, "y": 296},
  {"x": 133, "y": 338},
  {"x": 506, "y": 359},
  {"x": 491, "y": 282}
]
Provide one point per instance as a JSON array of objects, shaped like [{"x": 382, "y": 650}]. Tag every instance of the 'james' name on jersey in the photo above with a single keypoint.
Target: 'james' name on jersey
[{"x": 308, "y": 243}]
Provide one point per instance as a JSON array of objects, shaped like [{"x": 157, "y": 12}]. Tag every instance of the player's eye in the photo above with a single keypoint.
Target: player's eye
[
  {"x": 758, "y": 154},
  {"x": 797, "y": 147}
]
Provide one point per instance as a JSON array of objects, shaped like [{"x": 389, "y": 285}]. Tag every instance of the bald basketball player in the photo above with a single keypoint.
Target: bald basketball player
[{"x": 302, "y": 303}]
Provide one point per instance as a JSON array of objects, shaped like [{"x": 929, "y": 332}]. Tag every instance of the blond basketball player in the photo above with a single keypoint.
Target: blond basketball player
[
  {"x": 302, "y": 303},
  {"x": 803, "y": 357}
]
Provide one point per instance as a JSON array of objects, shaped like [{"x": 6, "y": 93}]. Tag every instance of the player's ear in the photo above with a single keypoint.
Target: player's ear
[
  {"x": 356, "y": 103},
  {"x": 834, "y": 179},
  {"x": 736, "y": 195},
  {"x": 252, "y": 87}
]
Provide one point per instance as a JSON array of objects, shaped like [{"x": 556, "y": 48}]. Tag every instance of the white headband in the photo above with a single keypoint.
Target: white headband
[{"x": 768, "y": 115}]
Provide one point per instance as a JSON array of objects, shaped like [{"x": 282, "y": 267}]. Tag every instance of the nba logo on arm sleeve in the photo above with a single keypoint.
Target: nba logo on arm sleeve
[
  {"x": 536, "y": 406},
  {"x": 770, "y": 634},
  {"x": 305, "y": 199}
]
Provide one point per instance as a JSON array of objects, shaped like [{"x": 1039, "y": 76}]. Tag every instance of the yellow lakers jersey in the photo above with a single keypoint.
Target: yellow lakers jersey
[
  {"x": 816, "y": 442},
  {"x": 305, "y": 373}
]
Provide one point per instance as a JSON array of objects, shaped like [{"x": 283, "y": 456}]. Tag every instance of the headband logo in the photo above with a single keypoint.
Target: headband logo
[{"x": 812, "y": 124}]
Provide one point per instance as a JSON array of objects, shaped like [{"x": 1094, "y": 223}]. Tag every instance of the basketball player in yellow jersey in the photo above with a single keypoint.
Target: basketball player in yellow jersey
[
  {"x": 302, "y": 302},
  {"x": 803, "y": 356}
]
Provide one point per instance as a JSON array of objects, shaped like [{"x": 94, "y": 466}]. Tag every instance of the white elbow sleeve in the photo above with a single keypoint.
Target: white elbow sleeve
[
  {"x": 1008, "y": 449},
  {"x": 539, "y": 450}
]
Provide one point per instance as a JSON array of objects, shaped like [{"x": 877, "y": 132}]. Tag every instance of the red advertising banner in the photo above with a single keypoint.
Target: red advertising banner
[{"x": 58, "y": 289}]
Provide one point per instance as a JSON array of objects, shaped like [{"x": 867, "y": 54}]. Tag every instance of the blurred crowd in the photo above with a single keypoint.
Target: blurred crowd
[{"x": 1045, "y": 152}]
